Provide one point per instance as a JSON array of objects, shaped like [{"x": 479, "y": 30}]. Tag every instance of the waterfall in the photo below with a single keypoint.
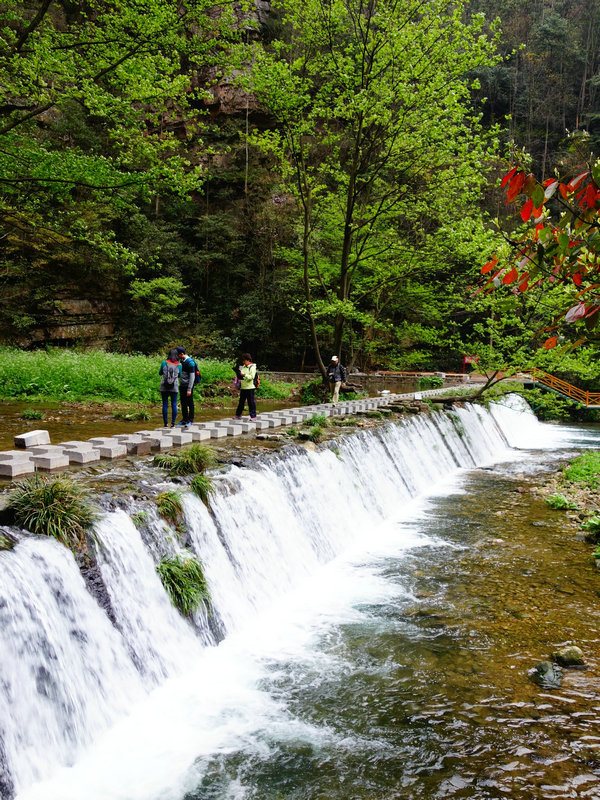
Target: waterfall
[{"x": 68, "y": 672}]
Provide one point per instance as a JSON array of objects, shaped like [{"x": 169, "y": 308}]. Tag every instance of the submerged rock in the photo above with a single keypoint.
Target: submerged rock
[
  {"x": 570, "y": 657},
  {"x": 546, "y": 674}
]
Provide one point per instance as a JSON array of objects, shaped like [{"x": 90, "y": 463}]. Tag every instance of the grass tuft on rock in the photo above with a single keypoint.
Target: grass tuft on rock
[
  {"x": 196, "y": 458},
  {"x": 56, "y": 507},
  {"x": 559, "y": 502},
  {"x": 170, "y": 506},
  {"x": 202, "y": 486},
  {"x": 182, "y": 576},
  {"x": 319, "y": 420}
]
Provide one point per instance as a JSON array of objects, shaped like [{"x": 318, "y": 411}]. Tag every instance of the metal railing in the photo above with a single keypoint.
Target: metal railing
[{"x": 562, "y": 387}]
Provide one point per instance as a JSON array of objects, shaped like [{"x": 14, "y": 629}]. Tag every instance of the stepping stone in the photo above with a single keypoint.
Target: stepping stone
[
  {"x": 198, "y": 434},
  {"x": 15, "y": 455},
  {"x": 136, "y": 444},
  {"x": 51, "y": 461},
  {"x": 108, "y": 447},
  {"x": 80, "y": 452},
  {"x": 16, "y": 467},
  {"x": 158, "y": 441},
  {"x": 262, "y": 424},
  {"x": 217, "y": 433},
  {"x": 247, "y": 427},
  {"x": 233, "y": 430},
  {"x": 179, "y": 437},
  {"x": 32, "y": 438}
]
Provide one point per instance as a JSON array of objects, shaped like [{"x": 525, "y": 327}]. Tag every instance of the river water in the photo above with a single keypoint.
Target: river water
[{"x": 379, "y": 622}]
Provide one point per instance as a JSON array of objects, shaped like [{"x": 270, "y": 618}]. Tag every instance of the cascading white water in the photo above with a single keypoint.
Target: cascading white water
[{"x": 269, "y": 531}]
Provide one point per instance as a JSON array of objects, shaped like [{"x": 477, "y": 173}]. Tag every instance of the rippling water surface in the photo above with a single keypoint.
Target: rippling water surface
[{"x": 412, "y": 682}]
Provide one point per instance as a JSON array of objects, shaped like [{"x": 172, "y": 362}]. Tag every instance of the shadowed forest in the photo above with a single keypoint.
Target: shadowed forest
[{"x": 287, "y": 178}]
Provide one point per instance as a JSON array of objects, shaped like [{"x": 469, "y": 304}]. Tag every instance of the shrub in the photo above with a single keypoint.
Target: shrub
[
  {"x": 313, "y": 392},
  {"x": 592, "y": 528},
  {"x": 202, "y": 486},
  {"x": 196, "y": 458},
  {"x": 56, "y": 507},
  {"x": 170, "y": 506},
  {"x": 316, "y": 434},
  {"x": 430, "y": 382},
  {"x": 274, "y": 390},
  {"x": 319, "y": 420},
  {"x": 559, "y": 502},
  {"x": 183, "y": 579},
  {"x": 29, "y": 413},
  {"x": 139, "y": 415}
]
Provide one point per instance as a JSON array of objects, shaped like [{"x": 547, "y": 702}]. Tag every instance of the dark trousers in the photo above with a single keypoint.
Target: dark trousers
[
  {"x": 187, "y": 405},
  {"x": 246, "y": 394},
  {"x": 166, "y": 396}
]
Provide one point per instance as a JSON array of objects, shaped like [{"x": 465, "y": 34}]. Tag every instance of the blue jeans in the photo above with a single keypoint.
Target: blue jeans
[{"x": 165, "y": 406}]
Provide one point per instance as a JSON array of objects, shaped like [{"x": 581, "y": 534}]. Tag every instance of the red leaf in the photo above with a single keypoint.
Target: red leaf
[
  {"x": 510, "y": 276},
  {"x": 529, "y": 184},
  {"x": 516, "y": 182},
  {"x": 524, "y": 285},
  {"x": 576, "y": 312},
  {"x": 576, "y": 181},
  {"x": 564, "y": 190},
  {"x": 526, "y": 210},
  {"x": 550, "y": 343},
  {"x": 577, "y": 279},
  {"x": 537, "y": 212},
  {"x": 507, "y": 177},
  {"x": 590, "y": 195},
  {"x": 489, "y": 266}
]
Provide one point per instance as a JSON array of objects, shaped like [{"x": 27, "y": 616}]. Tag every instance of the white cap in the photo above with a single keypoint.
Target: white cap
[{"x": 334, "y": 358}]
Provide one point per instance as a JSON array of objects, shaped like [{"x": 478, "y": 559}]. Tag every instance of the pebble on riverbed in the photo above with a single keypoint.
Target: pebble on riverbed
[
  {"x": 546, "y": 674},
  {"x": 570, "y": 657}
]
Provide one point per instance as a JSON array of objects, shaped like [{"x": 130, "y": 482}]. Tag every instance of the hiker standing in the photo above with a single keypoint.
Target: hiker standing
[
  {"x": 247, "y": 374},
  {"x": 187, "y": 380},
  {"x": 337, "y": 378},
  {"x": 169, "y": 385}
]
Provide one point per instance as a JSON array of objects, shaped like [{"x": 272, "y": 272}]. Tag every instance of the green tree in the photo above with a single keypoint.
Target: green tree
[{"x": 374, "y": 129}]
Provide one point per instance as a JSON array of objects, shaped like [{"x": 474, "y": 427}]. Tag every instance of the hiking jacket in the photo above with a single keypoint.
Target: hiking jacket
[
  {"x": 169, "y": 387},
  {"x": 187, "y": 375},
  {"x": 247, "y": 374},
  {"x": 336, "y": 372}
]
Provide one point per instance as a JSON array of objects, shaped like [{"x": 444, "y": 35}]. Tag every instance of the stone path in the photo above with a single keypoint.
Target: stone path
[{"x": 35, "y": 452}]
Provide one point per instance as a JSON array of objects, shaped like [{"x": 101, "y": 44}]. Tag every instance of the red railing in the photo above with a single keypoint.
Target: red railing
[{"x": 562, "y": 387}]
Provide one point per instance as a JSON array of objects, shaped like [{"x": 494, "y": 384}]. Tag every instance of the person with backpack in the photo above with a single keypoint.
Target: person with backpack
[
  {"x": 169, "y": 385},
  {"x": 337, "y": 378},
  {"x": 248, "y": 375},
  {"x": 188, "y": 378}
]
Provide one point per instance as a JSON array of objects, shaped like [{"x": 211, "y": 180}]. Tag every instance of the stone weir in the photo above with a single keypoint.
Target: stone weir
[{"x": 34, "y": 451}]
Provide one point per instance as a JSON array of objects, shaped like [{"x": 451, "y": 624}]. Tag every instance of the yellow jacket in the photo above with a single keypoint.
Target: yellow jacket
[{"x": 248, "y": 373}]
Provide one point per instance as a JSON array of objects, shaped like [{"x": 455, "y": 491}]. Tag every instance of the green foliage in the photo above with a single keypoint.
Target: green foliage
[
  {"x": 274, "y": 390},
  {"x": 202, "y": 486},
  {"x": 316, "y": 434},
  {"x": 584, "y": 471},
  {"x": 547, "y": 405},
  {"x": 29, "y": 413},
  {"x": 196, "y": 458},
  {"x": 61, "y": 374},
  {"x": 345, "y": 422},
  {"x": 182, "y": 576},
  {"x": 312, "y": 392},
  {"x": 56, "y": 507},
  {"x": 592, "y": 527},
  {"x": 430, "y": 382},
  {"x": 139, "y": 519},
  {"x": 559, "y": 502},
  {"x": 170, "y": 507},
  {"x": 6, "y": 542},
  {"x": 139, "y": 415},
  {"x": 293, "y": 431},
  {"x": 317, "y": 419}
]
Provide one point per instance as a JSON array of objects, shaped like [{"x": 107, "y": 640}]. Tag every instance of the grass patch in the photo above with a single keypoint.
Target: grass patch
[
  {"x": 29, "y": 413},
  {"x": 345, "y": 422},
  {"x": 292, "y": 431},
  {"x": 584, "y": 471},
  {"x": 430, "y": 382},
  {"x": 170, "y": 507},
  {"x": 202, "y": 486},
  {"x": 196, "y": 458},
  {"x": 317, "y": 419},
  {"x": 183, "y": 578},
  {"x": 56, "y": 507},
  {"x": 139, "y": 519},
  {"x": 560, "y": 503},
  {"x": 316, "y": 434},
  {"x": 139, "y": 415},
  {"x": 274, "y": 390}
]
